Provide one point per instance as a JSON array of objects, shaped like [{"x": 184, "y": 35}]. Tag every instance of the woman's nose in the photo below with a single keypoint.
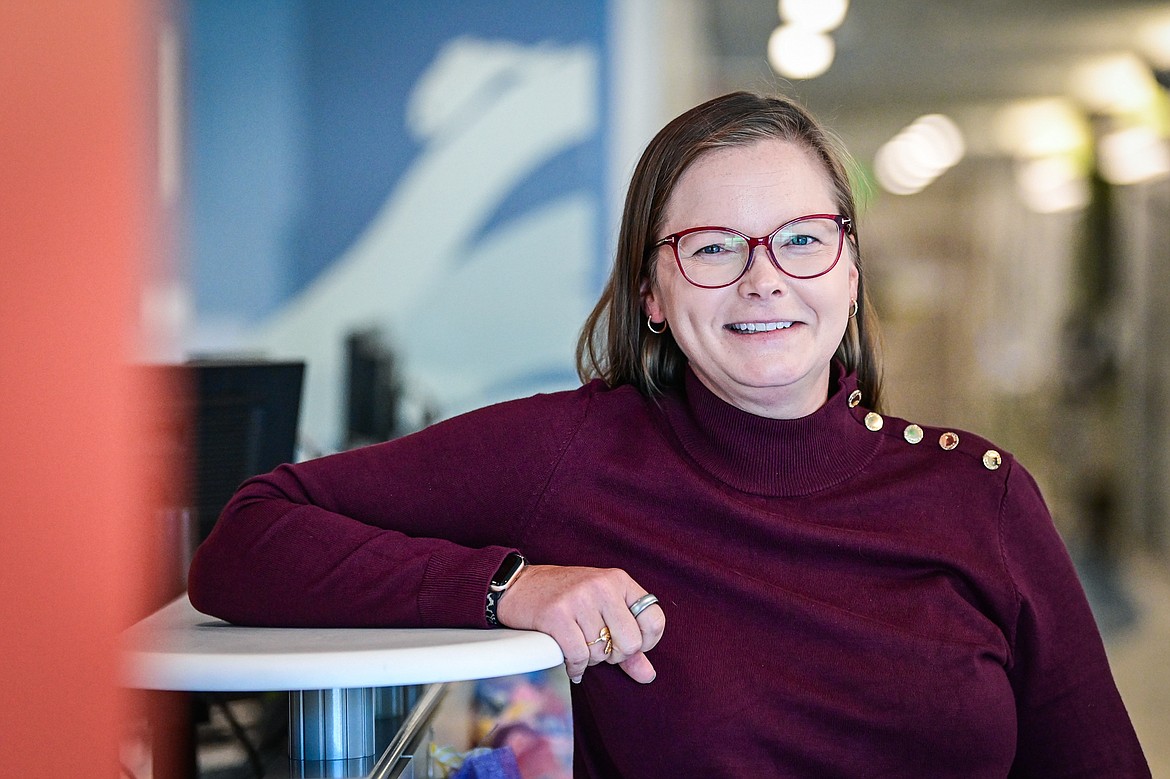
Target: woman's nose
[{"x": 763, "y": 278}]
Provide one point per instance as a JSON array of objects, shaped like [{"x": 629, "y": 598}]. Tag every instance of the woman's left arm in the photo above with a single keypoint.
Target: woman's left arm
[{"x": 1071, "y": 719}]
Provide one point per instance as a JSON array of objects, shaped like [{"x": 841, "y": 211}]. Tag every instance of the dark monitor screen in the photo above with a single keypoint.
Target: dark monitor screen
[
  {"x": 246, "y": 418},
  {"x": 236, "y": 419}
]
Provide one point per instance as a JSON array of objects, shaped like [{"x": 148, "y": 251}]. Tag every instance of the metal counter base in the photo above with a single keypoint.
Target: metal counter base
[{"x": 397, "y": 723}]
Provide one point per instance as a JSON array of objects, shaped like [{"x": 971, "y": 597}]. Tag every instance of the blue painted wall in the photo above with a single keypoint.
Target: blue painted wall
[
  {"x": 305, "y": 170},
  {"x": 247, "y": 142},
  {"x": 297, "y": 129}
]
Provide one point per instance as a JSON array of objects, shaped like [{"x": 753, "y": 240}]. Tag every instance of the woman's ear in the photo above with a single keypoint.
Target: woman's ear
[{"x": 651, "y": 305}]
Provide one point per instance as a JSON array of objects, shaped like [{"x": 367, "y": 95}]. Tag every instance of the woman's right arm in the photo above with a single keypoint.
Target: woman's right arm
[
  {"x": 409, "y": 533},
  {"x": 406, "y": 533}
]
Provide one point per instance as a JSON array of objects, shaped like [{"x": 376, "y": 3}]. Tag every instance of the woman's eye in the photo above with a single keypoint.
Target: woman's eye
[
  {"x": 710, "y": 246},
  {"x": 801, "y": 240}
]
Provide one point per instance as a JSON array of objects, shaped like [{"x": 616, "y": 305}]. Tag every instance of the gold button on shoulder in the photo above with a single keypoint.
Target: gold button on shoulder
[
  {"x": 992, "y": 459},
  {"x": 948, "y": 440},
  {"x": 913, "y": 434},
  {"x": 874, "y": 421},
  {"x": 854, "y": 398}
]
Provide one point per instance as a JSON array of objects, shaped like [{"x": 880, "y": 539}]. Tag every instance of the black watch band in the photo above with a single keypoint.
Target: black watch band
[{"x": 489, "y": 611}]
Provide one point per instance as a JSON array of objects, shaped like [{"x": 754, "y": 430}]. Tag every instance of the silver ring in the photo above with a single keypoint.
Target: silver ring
[{"x": 641, "y": 604}]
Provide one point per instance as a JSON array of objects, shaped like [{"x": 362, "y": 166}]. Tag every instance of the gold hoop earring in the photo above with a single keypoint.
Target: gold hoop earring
[
  {"x": 650, "y": 326},
  {"x": 854, "y": 307}
]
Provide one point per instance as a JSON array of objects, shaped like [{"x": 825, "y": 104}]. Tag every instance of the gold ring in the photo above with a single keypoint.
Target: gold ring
[{"x": 606, "y": 637}]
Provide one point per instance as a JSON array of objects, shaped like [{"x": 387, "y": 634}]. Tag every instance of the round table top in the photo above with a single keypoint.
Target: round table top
[{"x": 178, "y": 648}]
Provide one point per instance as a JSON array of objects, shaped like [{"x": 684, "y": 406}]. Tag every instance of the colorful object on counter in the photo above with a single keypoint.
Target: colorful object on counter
[
  {"x": 531, "y": 714},
  {"x": 489, "y": 764}
]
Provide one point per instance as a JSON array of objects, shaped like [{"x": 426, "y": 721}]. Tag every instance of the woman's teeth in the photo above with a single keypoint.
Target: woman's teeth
[{"x": 758, "y": 327}]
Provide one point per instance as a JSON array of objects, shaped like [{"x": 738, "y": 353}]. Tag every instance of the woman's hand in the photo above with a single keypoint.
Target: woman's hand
[{"x": 573, "y": 604}]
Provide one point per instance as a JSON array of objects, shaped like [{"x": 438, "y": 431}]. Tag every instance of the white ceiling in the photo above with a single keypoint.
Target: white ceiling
[{"x": 898, "y": 59}]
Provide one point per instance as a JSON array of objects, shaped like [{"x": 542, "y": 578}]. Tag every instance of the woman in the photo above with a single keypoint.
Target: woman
[{"x": 848, "y": 594}]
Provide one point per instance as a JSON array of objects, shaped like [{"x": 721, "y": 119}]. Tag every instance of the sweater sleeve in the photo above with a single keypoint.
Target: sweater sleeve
[
  {"x": 407, "y": 533},
  {"x": 1071, "y": 720}
]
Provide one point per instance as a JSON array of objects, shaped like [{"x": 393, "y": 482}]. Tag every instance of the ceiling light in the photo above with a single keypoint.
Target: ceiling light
[
  {"x": 1114, "y": 85},
  {"x": 815, "y": 15},
  {"x": 936, "y": 140},
  {"x": 919, "y": 154},
  {"x": 895, "y": 176},
  {"x": 1132, "y": 156},
  {"x": 1155, "y": 43},
  {"x": 1040, "y": 128},
  {"x": 797, "y": 52},
  {"x": 1051, "y": 185}
]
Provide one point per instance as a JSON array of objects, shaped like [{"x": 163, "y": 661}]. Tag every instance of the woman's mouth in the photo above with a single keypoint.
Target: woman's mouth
[{"x": 757, "y": 327}]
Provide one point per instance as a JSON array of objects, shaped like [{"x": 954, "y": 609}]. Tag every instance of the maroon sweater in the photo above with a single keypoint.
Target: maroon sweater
[{"x": 840, "y": 602}]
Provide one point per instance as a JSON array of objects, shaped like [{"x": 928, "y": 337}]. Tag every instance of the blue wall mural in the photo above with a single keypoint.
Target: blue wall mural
[{"x": 430, "y": 171}]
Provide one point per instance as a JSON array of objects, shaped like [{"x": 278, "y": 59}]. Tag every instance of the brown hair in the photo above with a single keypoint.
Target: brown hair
[{"x": 615, "y": 343}]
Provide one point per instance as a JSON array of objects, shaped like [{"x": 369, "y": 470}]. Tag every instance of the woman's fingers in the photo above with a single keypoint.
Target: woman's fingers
[
  {"x": 638, "y": 668},
  {"x": 587, "y": 612},
  {"x": 638, "y": 635},
  {"x": 652, "y": 622},
  {"x": 576, "y": 651},
  {"x": 625, "y": 631}
]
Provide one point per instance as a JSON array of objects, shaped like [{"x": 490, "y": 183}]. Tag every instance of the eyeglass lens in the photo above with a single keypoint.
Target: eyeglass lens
[{"x": 803, "y": 248}]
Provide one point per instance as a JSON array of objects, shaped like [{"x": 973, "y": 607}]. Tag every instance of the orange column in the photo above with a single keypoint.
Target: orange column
[{"x": 76, "y": 199}]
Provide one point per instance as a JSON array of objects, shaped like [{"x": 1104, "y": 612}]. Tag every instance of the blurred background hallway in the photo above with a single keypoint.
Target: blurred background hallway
[{"x": 1137, "y": 652}]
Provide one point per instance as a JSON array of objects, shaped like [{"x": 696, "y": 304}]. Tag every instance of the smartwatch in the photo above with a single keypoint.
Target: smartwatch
[{"x": 506, "y": 574}]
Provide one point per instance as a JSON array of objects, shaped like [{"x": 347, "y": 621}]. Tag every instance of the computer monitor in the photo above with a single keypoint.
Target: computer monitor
[
  {"x": 373, "y": 390},
  {"x": 227, "y": 420},
  {"x": 244, "y": 420}
]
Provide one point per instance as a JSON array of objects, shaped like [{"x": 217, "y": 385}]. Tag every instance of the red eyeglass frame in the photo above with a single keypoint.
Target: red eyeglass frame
[{"x": 844, "y": 227}]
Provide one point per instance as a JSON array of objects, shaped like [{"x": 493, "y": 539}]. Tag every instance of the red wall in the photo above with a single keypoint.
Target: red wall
[{"x": 76, "y": 226}]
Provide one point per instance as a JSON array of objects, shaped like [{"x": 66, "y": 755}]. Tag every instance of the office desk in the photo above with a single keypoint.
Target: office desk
[{"x": 335, "y": 676}]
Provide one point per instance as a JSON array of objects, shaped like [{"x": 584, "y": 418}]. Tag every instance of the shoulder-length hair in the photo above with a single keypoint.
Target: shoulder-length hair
[{"x": 615, "y": 344}]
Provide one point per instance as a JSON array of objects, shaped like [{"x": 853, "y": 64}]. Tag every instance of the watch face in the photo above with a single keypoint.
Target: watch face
[{"x": 507, "y": 571}]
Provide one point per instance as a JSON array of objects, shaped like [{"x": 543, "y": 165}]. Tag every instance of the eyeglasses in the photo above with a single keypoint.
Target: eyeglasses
[{"x": 803, "y": 248}]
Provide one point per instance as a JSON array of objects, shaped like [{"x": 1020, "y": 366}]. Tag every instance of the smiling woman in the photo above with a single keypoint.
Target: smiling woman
[
  {"x": 738, "y": 162},
  {"x": 887, "y": 599},
  {"x": 762, "y": 341}
]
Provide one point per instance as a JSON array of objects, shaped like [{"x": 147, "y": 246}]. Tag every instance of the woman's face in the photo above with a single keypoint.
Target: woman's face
[{"x": 782, "y": 372}]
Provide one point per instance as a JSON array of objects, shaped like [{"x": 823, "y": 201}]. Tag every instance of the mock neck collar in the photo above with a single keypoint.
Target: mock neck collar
[{"x": 776, "y": 457}]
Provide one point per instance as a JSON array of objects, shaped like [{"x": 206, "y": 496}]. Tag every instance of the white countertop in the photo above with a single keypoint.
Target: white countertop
[{"x": 178, "y": 648}]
